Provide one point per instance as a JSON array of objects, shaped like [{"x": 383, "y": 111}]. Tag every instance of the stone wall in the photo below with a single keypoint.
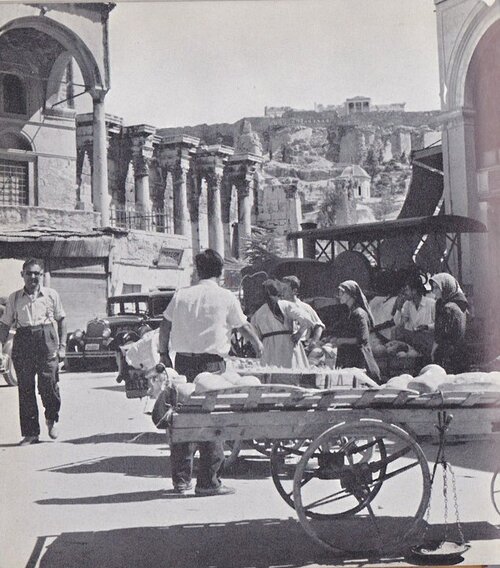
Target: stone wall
[
  {"x": 21, "y": 217},
  {"x": 56, "y": 182},
  {"x": 150, "y": 260}
]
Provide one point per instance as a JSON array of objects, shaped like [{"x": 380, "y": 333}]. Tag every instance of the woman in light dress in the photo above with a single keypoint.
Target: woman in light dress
[{"x": 273, "y": 322}]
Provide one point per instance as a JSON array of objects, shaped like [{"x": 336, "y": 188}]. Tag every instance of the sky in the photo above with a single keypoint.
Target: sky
[{"x": 186, "y": 63}]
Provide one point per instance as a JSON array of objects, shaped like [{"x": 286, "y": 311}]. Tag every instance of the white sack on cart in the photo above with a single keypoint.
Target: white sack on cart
[{"x": 143, "y": 354}]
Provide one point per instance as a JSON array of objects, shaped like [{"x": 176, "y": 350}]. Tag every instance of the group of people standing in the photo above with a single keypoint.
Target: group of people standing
[
  {"x": 433, "y": 326},
  {"x": 197, "y": 326}
]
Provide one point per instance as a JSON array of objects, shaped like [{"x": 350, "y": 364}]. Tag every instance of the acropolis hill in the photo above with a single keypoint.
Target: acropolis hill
[{"x": 315, "y": 148}]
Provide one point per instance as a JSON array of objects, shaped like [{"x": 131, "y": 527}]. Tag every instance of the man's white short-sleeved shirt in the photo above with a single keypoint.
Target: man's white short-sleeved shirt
[
  {"x": 42, "y": 307},
  {"x": 413, "y": 317},
  {"x": 203, "y": 317}
]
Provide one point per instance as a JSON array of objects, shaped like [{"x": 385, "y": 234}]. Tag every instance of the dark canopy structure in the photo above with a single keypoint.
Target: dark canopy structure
[{"x": 410, "y": 234}]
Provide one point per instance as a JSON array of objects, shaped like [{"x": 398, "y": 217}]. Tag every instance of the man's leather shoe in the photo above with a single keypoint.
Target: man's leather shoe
[
  {"x": 209, "y": 491},
  {"x": 52, "y": 429},
  {"x": 182, "y": 488},
  {"x": 28, "y": 440}
]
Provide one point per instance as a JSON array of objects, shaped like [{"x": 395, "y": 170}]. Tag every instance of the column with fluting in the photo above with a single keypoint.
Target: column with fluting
[
  {"x": 210, "y": 161},
  {"x": 241, "y": 170},
  {"x": 142, "y": 137},
  {"x": 293, "y": 214},
  {"x": 175, "y": 157}
]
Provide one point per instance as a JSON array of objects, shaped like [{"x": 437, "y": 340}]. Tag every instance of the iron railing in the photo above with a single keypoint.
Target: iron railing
[{"x": 154, "y": 221}]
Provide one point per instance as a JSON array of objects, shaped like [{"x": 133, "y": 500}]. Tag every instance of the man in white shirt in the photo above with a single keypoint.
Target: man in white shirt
[
  {"x": 37, "y": 314},
  {"x": 197, "y": 326},
  {"x": 415, "y": 321}
]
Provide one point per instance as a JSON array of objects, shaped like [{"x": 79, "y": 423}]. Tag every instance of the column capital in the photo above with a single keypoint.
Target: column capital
[
  {"x": 290, "y": 186},
  {"x": 214, "y": 180},
  {"x": 175, "y": 149},
  {"x": 142, "y": 139}
]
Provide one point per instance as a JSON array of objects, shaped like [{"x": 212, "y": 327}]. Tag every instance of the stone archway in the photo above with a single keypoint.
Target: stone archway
[
  {"x": 465, "y": 92},
  {"x": 69, "y": 41}
]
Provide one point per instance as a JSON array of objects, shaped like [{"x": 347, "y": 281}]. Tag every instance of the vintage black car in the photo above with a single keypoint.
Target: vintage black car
[{"x": 128, "y": 317}]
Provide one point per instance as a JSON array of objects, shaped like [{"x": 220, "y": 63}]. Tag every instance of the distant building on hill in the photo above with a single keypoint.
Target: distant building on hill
[
  {"x": 359, "y": 179},
  {"x": 357, "y": 104}
]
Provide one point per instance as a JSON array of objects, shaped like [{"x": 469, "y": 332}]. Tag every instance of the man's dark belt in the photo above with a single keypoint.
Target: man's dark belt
[
  {"x": 271, "y": 333},
  {"x": 210, "y": 357},
  {"x": 28, "y": 329}
]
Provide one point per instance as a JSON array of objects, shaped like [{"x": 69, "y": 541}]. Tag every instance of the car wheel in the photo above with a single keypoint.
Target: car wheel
[{"x": 9, "y": 374}]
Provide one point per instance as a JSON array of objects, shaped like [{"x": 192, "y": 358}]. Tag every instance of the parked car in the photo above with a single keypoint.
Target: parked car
[{"x": 128, "y": 317}]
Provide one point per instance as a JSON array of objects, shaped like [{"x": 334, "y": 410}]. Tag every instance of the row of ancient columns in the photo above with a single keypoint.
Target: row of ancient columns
[
  {"x": 189, "y": 164},
  {"x": 221, "y": 169}
]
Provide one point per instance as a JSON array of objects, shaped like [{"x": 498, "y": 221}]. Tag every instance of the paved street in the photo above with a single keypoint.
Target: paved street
[{"x": 100, "y": 496}]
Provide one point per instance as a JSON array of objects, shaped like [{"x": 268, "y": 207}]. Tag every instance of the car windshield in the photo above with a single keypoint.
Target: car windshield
[
  {"x": 124, "y": 306},
  {"x": 159, "y": 305}
]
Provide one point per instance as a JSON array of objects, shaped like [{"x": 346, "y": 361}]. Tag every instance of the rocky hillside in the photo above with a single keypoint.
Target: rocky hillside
[{"x": 315, "y": 148}]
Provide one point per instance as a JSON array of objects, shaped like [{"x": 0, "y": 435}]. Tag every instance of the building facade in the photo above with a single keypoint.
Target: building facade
[
  {"x": 469, "y": 61},
  {"x": 57, "y": 202}
]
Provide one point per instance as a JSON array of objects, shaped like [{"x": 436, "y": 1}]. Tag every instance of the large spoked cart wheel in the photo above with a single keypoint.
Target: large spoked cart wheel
[
  {"x": 362, "y": 487},
  {"x": 495, "y": 490},
  {"x": 286, "y": 454}
]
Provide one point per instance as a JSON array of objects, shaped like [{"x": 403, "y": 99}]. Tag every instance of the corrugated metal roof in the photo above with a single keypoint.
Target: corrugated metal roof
[{"x": 53, "y": 243}]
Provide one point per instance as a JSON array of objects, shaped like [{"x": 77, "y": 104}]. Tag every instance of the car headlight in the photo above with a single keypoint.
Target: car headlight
[
  {"x": 78, "y": 334},
  {"x": 106, "y": 332}
]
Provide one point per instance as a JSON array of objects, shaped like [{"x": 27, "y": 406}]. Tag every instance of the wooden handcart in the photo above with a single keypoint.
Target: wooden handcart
[{"x": 349, "y": 461}]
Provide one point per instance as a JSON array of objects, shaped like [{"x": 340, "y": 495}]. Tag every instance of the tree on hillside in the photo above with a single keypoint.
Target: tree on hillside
[
  {"x": 338, "y": 206},
  {"x": 371, "y": 163}
]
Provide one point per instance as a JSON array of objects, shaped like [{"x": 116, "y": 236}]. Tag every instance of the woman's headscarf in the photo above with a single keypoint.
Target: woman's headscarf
[
  {"x": 450, "y": 290},
  {"x": 273, "y": 289},
  {"x": 353, "y": 289}
]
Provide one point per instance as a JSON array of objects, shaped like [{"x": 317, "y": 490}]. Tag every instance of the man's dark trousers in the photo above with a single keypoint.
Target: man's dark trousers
[
  {"x": 34, "y": 353},
  {"x": 211, "y": 453}
]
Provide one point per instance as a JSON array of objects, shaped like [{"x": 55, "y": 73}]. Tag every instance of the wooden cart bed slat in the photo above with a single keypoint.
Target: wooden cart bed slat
[{"x": 285, "y": 397}]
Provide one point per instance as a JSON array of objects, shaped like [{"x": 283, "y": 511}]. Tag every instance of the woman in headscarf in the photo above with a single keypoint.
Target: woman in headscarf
[
  {"x": 451, "y": 319},
  {"x": 273, "y": 322},
  {"x": 353, "y": 344}
]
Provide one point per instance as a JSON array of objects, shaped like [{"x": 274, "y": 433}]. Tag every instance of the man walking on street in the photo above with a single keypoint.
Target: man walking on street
[
  {"x": 198, "y": 323},
  {"x": 37, "y": 315}
]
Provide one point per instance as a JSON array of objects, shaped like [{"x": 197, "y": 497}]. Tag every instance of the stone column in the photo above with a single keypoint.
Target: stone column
[
  {"x": 240, "y": 172},
  {"x": 142, "y": 139},
  {"x": 462, "y": 198},
  {"x": 182, "y": 219},
  {"x": 210, "y": 162},
  {"x": 226, "y": 191},
  {"x": 244, "y": 188},
  {"x": 100, "y": 160},
  {"x": 193, "y": 192},
  {"x": 294, "y": 216},
  {"x": 215, "y": 229},
  {"x": 176, "y": 157}
]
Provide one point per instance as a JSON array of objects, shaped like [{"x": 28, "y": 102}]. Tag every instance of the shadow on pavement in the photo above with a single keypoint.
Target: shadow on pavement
[
  {"x": 479, "y": 455},
  {"x": 159, "y": 466},
  {"x": 131, "y": 497},
  {"x": 114, "y": 388},
  {"x": 135, "y": 466},
  {"x": 153, "y": 438},
  {"x": 260, "y": 543}
]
